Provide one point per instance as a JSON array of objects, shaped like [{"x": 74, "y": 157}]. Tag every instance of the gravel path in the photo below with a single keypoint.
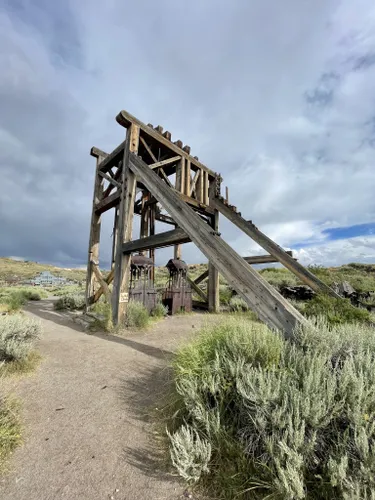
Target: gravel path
[{"x": 88, "y": 432}]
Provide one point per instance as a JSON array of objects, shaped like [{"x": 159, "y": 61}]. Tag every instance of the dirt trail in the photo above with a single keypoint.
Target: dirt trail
[{"x": 88, "y": 434}]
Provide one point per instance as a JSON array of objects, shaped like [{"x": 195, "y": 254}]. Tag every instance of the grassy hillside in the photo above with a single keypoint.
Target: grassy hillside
[
  {"x": 28, "y": 269},
  {"x": 360, "y": 276}
]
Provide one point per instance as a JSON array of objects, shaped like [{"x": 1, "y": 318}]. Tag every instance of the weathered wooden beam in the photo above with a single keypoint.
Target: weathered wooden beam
[
  {"x": 120, "y": 295},
  {"x": 275, "y": 250},
  {"x": 201, "y": 278},
  {"x": 101, "y": 281},
  {"x": 94, "y": 241},
  {"x": 187, "y": 178},
  {"x": 126, "y": 119},
  {"x": 107, "y": 203},
  {"x": 165, "y": 218},
  {"x": 148, "y": 149},
  {"x": 213, "y": 285},
  {"x": 98, "y": 153},
  {"x": 164, "y": 176},
  {"x": 269, "y": 305},
  {"x": 264, "y": 259},
  {"x": 158, "y": 164},
  {"x": 160, "y": 240},
  {"x": 100, "y": 292},
  {"x": 196, "y": 289},
  {"x": 110, "y": 179},
  {"x": 117, "y": 176},
  {"x": 113, "y": 158},
  {"x": 194, "y": 182}
]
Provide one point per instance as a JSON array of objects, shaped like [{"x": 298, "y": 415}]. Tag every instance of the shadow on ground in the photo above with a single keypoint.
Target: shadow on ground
[{"x": 144, "y": 395}]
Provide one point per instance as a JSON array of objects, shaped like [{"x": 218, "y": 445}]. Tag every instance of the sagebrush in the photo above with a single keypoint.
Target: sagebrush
[
  {"x": 18, "y": 335},
  {"x": 137, "y": 316},
  {"x": 70, "y": 301},
  {"x": 253, "y": 416},
  {"x": 10, "y": 429}
]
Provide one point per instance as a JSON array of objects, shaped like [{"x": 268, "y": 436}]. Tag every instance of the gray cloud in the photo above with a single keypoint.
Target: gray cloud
[{"x": 278, "y": 98}]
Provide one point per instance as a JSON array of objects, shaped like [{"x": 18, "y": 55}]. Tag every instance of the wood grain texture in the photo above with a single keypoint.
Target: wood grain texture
[
  {"x": 94, "y": 240},
  {"x": 270, "y": 306},
  {"x": 160, "y": 240},
  {"x": 275, "y": 250}
]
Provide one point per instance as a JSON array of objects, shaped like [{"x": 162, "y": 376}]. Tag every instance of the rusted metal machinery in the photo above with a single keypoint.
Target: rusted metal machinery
[
  {"x": 177, "y": 296},
  {"x": 141, "y": 286}
]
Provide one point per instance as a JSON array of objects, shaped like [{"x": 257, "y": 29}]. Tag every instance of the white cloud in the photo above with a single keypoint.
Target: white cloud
[{"x": 279, "y": 98}]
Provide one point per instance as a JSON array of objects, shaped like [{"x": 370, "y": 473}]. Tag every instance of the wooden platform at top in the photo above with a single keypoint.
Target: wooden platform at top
[{"x": 153, "y": 136}]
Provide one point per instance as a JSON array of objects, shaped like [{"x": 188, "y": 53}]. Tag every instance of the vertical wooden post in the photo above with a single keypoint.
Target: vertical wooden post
[
  {"x": 213, "y": 285},
  {"x": 114, "y": 237},
  {"x": 144, "y": 217},
  {"x": 180, "y": 186},
  {"x": 200, "y": 184},
  {"x": 205, "y": 187},
  {"x": 120, "y": 295},
  {"x": 187, "y": 178},
  {"x": 94, "y": 242},
  {"x": 152, "y": 232}
]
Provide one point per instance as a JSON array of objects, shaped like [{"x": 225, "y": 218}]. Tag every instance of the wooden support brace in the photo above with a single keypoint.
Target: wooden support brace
[
  {"x": 201, "y": 278},
  {"x": 110, "y": 179},
  {"x": 148, "y": 149},
  {"x": 197, "y": 289},
  {"x": 267, "y": 302},
  {"x": 160, "y": 240},
  {"x": 175, "y": 159},
  {"x": 101, "y": 281},
  {"x": 270, "y": 246}
]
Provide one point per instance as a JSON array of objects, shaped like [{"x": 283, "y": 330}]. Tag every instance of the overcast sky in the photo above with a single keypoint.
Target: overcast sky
[{"x": 278, "y": 96}]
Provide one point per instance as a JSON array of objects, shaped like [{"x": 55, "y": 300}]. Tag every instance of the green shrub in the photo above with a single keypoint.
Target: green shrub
[
  {"x": 225, "y": 294},
  {"x": 336, "y": 311},
  {"x": 10, "y": 429},
  {"x": 17, "y": 336},
  {"x": 253, "y": 416},
  {"x": 237, "y": 304},
  {"x": 71, "y": 302},
  {"x": 137, "y": 315},
  {"x": 159, "y": 311}
]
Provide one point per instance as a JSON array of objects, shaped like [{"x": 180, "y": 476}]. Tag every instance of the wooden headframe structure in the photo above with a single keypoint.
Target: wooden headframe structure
[{"x": 157, "y": 179}]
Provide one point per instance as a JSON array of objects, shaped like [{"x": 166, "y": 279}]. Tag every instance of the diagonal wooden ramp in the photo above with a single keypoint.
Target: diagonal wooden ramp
[{"x": 261, "y": 297}]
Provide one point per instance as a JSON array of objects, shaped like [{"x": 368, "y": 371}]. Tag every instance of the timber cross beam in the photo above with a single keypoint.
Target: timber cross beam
[{"x": 152, "y": 177}]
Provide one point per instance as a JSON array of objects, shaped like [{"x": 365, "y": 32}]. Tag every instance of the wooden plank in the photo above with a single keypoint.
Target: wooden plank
[
  {"x": 125, "y": 227},
  {"x": 144, "y": 217},
  {"x": 117, "y": 175},
  {"x": 100, "y": 292},
  {"x": 269, "y": 305},
  {"x": 165, "y": 218},
  {"x": 98, "y": 153},
  {"x": 196, "y": 289},
  {"x": 94, "y": 240},
  {"x": 107, "y": 203},
  {"x": 148, "y": 149},
  {"x": 270, "y": 246},
  {"x": 194, "y": 182},
  {"x": 151, "y": 253},
  {"x": 101, "y": 281},
  {"x": 175, "y": 159},
  {"x": 227, "y": 194},
  {"x": 213, "y": 285},
  {"x": 164, "y": 176},
  {"x": 110, "y": 179},
  {"x": 264, "y": 259},
  {"x": 180, "y": 176},
  {"x": 187, "y": 178},
  {"x": 201, "y": 278},
  {"x": 126, "y": 119},
  {"x": 114, "y": 237},
  {"x": 205, "y": 188},
  {"x": 113, "y": 158},
  {"x": 199, "y": 190},
  {"x": 160, "y": 240}
]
